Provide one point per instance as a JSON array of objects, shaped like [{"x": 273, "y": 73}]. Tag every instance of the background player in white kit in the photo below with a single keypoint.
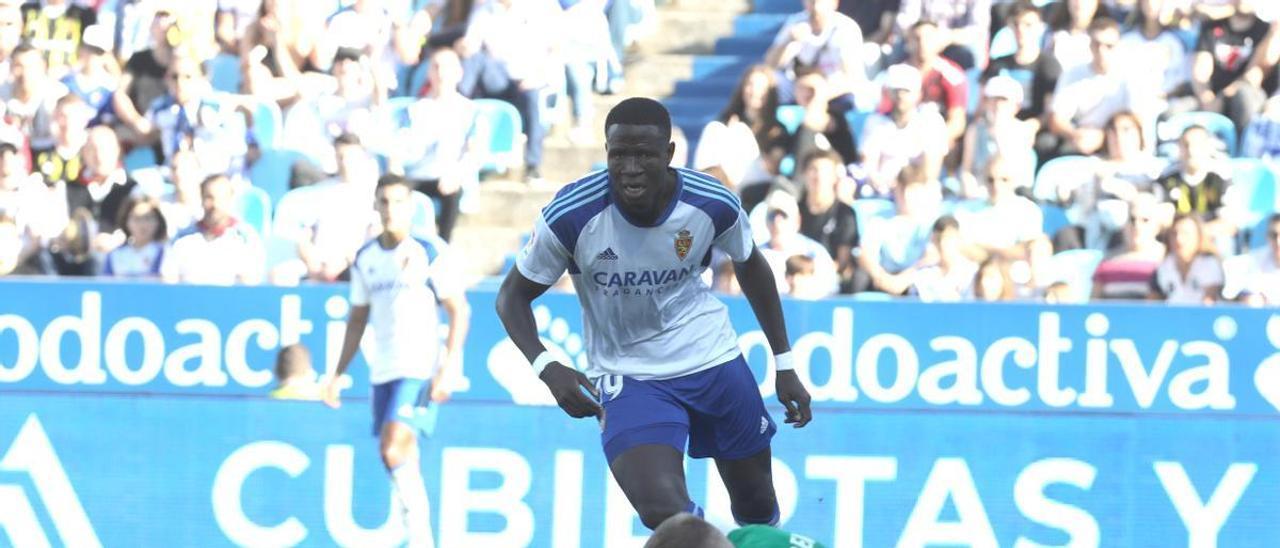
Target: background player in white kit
[
  {"x": 397, "y": 280},
  {"x": 663, "y": 358}
]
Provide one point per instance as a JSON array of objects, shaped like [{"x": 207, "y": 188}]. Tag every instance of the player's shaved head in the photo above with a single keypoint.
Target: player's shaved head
[
  {"x": 639, "y": 111},
  {"x": 685, "y": 530}
]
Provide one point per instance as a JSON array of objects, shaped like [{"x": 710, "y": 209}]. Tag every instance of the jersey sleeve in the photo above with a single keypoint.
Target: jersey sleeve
[
  {"x": 358, "y": 292},
  {"x": 544, "y": 259},
  {"x": 736, "y": 241}
]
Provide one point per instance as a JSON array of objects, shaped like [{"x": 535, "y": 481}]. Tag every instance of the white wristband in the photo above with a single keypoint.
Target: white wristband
[
  {"x": 541, "y": 362},
  {"x": 784, "y": 361}
]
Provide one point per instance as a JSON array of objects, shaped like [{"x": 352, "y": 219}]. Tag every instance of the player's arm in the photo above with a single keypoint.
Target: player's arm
[
  {"x": 515, "y": 309},
  {"x": 453, "y": 299},
  {"x": 761, "y": 290},
  {"x": 356, "y": 323}
]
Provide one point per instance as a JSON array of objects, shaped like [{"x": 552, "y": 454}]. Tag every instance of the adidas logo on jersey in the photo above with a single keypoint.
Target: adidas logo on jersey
[{"x": 607, "y": 255}]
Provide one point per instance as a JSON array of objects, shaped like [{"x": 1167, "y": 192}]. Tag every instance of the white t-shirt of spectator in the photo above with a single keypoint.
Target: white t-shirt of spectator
[
  {"x": 36, "y": 114},
  {"x": 1013, "y": 221},
  {"x": 402, "y": 287},
  {"x": 1205, "y": 271},
  {"x": 217, "y": 131},
  {"x": 128, "y": 261},
  {"x": 220, "y": 257},
  {"x": 370, "y": 33},
  {"x": 732, "y": 147},
  {"x": 900, "y": 146},
  {"x": 899, "y": 240},
  {"x": 1264, "y": 276},
  {"x": 245, "y": 12},
  {"x": 933, "y": 285},
  {"x": 435, "y": 140},
  {"x": 1163, "y": 59},
  {"x": 518, "y": 39},
  {"x": 1090, "y": 99},
  {"x": 336, "y": 217},
  {"x": 839, "y": 42},
  {"x": 824, "y": 268}
]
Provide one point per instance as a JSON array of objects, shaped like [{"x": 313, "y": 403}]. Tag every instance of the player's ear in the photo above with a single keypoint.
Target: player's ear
[{"x": 671, "y": 151}]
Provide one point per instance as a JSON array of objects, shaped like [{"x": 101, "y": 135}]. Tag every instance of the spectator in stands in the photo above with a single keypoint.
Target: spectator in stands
[
  {"x": 965, "y": 27},
  {"x": 1069, "y": 24},
  {"x": 786, "y": 241},
  {"x": 1224, "y": 75},
  {"x": 295, "y": 376},
  {"x": 1154, "y": 52},
  {"x": 219, "y": 250},
  {"x": 348, "y": 107},
  {"x": 29, "y": 98},
  {"x": 823, "y": 127},
  {"x": 181, "y": 203},
  {"x": 71, "y": 252},
  {"x": 943, "y": 83},
  {"x": 907, "y": 135},
  {"x": 330, "y": 220},
  {"x": 1262, "y": 136},
  {"x": 60, "y": 159},
  {"x": 746, "y": 140},
  {"x": 510, "y": 54},
  {"x": 997, "y": 131},
  {"x": 1088, "y": 95},
  {"x": 1129, "y": 165},
  {"x": 994, "y": 281},
  {"x": 389, "y": 40},
  {"x": 437, "y": 149},
  {"x": 878, "y": 21},
  {"x": 143, "y": 80},
  {"x": 893, "y": 246},
  {"x": 1191, "y": 272},
  {"x": 1262, "y": 277},
  {"x": 945, "y": 273},
  {"x": 587, "y": 46},
  {"x": 1008, "y": 225},
  {"x": 189, "y": 116},
  {"x": 145, "y": 239},
  {"x": 826, "y": 219},
  {"x": 1192, "y": 185},
  {"x": 56, "y": 27},
  {"x": 1133, "y": 257},
  {"x": 10, "y": 37},
  {"x": 1035, "y": 69},
  {"x": 103, "y": 187},
  {"x": 275, "y": 50},
  {"x": 13, "y": 243},
  {"x": 820, "y": 39},
  {"x": 40, "y": 210},
  {"x": 94, "y": 76}
]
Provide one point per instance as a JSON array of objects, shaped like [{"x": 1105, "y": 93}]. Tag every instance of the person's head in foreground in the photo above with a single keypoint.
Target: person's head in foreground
[
  {"x": 993, "y": 282},
  {"x": 639, "y": 150},
  {"x": 295, "y": 377},
  {"x": 686, "y": 530}
]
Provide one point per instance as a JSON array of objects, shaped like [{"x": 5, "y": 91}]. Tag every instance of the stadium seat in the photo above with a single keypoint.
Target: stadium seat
[
  {"x": 1076, "y": 267},
  {"x": 416, "y": 80},
  {"x": 1258, "y": 234},
  {"x": 1168, "y": 131},
  {"x": 791, "y": 117},
  {"x": 973, "y": 77},
  {"x": 224, "y": 73},
  {"x": 424, "y": 214},
  {"x": 869, "y": 208},
  {"x": 267, "y": 123},
  {"x": 857, "y": 120},
  {"x": 1054, "y": 218},
  {"x": 499, "y": 122},
  {"x": 140, "y": 158},
  {"x": 1256, "y": 180},
  {"x": 255, "y": 209},
  {"x": 1062, "y": 172},
  {"x": 874, "y": 296},
  {"x": 272, "y": 172}
]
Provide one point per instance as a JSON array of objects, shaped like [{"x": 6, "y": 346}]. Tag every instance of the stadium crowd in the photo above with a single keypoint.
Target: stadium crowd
[{"x": 937, "y": 149}]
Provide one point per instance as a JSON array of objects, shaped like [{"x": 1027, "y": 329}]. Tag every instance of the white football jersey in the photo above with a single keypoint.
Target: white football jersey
[
  {"x": 402, "y": 287},
  {"x": 647, "y": 313}
]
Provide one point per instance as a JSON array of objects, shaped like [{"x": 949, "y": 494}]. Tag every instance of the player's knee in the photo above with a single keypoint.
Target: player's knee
[
  {"x": 396, "y": 450},
  {"x": 760, "y": 507},
  {"x": 653, "y": 513}
]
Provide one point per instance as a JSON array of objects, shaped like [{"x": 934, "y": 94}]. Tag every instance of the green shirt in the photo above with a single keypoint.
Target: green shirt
[{"x": 763, "y": 536}]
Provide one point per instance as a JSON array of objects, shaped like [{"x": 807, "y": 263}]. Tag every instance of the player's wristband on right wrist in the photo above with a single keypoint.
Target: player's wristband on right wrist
[
  {"x": 541, "y": 362},
  {"x": 784, "y": 361}
]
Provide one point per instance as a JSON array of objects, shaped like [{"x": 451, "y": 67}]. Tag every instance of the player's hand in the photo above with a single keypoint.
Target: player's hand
[
  {"x": 439, "y": 392},
  {"x": 566, "y": 385},
  {"x": 332, "y": 393},
  {"x": 795, "y": 398}
]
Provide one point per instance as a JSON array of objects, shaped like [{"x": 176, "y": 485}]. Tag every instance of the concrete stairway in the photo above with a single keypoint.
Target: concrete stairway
[{"x": 692, "y": 61}]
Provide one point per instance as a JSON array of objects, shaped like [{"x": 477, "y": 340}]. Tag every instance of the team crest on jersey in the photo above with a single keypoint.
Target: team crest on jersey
[{"x": 684, "y": 242}]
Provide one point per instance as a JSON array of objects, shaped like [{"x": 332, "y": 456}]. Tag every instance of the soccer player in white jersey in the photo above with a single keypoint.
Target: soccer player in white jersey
[
  {"x": 664, "y": 364},
  {"x": 397, "y": 281}
]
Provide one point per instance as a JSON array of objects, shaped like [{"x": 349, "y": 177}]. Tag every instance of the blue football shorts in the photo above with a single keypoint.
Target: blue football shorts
[
  {"x": 718, "y": 412},
  {"x": 407, "y": 401}
]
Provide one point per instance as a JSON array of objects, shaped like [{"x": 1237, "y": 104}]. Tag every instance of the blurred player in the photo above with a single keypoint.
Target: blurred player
[
  {"x": 397, "y": 280},
  {"x": 663, "y": 356}
]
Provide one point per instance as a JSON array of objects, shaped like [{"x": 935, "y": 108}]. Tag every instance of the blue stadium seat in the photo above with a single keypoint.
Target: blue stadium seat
[
  {"x": 1220, "y": 126},
  {"x": 1054, "y": 219},
  {"x": 791, "y": 117},
  {"x": 267, "y": 123},
  {"x": 975, "y": 89},
  {"x": 762, "y": 24},
  {"x": 857, "y": 120},
  {"x": 870, "y": 208},
  {"x": 1076, "y": 267},
  {"x": 500, "y": 122},
  {"x": 1063, "y": 171},
  {"x": 224, "y": 72},
  {"x": 410, "y": 86},
  {"x": 873, "y": 296},
  {"x": 1256, "y": 180},
  {"x": 140, "y": 158},
  {"x": 255, "y": 210},
  {"x": 1258, "y": 234},
  {"x": 424, "y": 214},
  {"x": 272, "y": 171}
]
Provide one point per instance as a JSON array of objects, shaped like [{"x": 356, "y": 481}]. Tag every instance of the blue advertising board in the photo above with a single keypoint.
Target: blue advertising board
[{"x": 134, "y": 415}]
